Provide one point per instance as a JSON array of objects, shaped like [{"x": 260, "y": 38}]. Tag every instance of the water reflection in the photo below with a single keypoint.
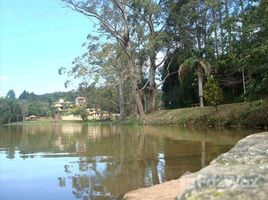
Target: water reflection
[{"x": 103, "y": 162}]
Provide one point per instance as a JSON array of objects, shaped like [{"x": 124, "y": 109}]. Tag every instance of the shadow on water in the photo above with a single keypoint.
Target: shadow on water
[{"x": 103, "y": 162}]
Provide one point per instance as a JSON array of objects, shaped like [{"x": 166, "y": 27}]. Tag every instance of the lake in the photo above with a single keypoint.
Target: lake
[{"x": 75, "y": 161}]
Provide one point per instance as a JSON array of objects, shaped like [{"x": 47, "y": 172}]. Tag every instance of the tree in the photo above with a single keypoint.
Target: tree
[
  {"x": 232, "y": 36},
  {"x": 38, "y": 108},
  {"x": 11, "y": 95},
  {"x": 10, "y": 111},
  {"x": 138, "y": 28},
  {"x": 114, "y": 72},
  {"x": 113, "y": 19},
  {"x": 81, "y": 111},
  {"x": 178, "y": 93},
  {"x": 213, "y": 93},
  {"x": 154, "y": 40},
  {"x": 102, "y": 65},
  {"x": 202, "y": 68}
]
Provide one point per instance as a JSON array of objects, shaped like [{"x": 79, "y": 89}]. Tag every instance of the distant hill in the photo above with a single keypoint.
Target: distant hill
[{"x": 48, "y": 97}]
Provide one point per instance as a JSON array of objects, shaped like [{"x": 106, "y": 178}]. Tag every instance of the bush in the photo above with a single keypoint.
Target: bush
[
  {"x": 213, "y": 93},
  {"x": 81, "y": 112}
]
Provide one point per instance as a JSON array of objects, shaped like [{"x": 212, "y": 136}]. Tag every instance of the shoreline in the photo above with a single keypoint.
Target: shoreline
[
  {"x": 236, "y": 115},
  {"x": 241, "y": 173}
]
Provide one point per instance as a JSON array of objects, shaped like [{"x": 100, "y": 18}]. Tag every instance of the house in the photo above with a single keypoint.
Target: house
[
  {"x": 61, "y": 100},
  {"x": 61, "y": 104},
  {"x": 58, "y": 106},
  {"x": 31, "y": 118},
  {"x": 93, "y": 111},
  {"x": 80, "y": 101}
]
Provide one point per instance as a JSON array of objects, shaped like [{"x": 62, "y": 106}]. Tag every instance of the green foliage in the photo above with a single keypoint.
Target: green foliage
[
  {"x": 11, "y": 95},
  {"x": 257, "y": 87},
  {"x": 256, "y": 114},
  {"x": 27, "y": 96},
  {"x": 81, "y": 111},
  {"x": 41, "y": 105},
  {"x": 235, "y": 42},
  {"x": 104, "y": 98},
  {"x": 49, "y": 97},
  {"x": 178, "y": 93},
  {"x": 39, "y": 108},
  {"x": 212, "y": 92},
  {"x": 10, "y": 111}
]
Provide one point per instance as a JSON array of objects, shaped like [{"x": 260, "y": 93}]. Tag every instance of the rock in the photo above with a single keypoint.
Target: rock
[
  {"x": 250, "y": 150},
  {"x": 164, "y": 191},
  {"x": 241, "y": 173}
]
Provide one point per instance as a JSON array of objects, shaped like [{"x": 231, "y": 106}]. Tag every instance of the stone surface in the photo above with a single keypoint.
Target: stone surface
[
  {"x": 251, "y": 150},
  {"x": 164, "y": 191},
  {"x": 241, "y": 173}
]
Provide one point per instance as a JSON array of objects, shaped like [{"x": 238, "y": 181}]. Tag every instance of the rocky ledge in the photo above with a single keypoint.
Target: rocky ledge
[{"x": 241, "y": 173}]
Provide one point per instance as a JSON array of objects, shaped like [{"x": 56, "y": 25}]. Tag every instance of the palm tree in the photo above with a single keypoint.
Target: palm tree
[{"x": 202, "y": 68}]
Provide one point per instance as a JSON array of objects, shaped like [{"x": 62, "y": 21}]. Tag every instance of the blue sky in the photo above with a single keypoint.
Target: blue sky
[{"x": 36, "y": 38}]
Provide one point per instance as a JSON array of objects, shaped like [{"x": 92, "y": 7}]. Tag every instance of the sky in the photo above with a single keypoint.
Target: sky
[{"x": 37, "y": 37}]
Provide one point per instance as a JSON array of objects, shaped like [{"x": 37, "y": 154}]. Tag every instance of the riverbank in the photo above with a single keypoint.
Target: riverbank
[
  {"x": 241, "y": 173},
  {"x": 245, "y": 114},
  {"x": 236, "y": 115}
]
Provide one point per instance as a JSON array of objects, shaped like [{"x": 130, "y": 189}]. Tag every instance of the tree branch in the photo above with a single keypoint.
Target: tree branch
[{"x": 168, "y": 74}]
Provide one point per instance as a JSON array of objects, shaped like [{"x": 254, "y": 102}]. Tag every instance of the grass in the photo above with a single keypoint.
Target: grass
[{"x": 245, "y": 114}]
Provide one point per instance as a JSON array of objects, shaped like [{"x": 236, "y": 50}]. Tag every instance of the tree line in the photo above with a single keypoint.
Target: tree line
[
  {"x": 14, "y": 109},
  {"x": 231, "y": 36},
  {"x": 10, "y": 109},
  {"x": 138, "y": 46}
]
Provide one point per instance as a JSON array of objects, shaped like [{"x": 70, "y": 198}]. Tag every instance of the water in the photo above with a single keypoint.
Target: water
[{"x": 75, "y": 161}]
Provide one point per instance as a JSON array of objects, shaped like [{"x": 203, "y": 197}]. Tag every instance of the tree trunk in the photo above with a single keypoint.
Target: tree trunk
[
  {"x": 121, "y": 99},
  {"x": 135, "y": 75},
  {"x": 228, "y": 26},
  {"x": 134, "y": 71},
  {"x": 242, "y": 36},
  {"x": 221, "y": 29},
  {"x": 216, "y": 46},
  {"x": 135, "y": 89},
  {"x": 137, "y": 98},
  {"x": 198, "y": 38},
  {"x": 133, "y": 68},
  {"x": 243, "y": 78},
  {"x": 153, "y": 85},
  {"x": 200, "y": 88},
  {"x": 241, "y": 21},
  {"x": 152, "y": 66},
  {"x": 144, "y": 102},
  {"x": 154, "y": 96}
]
